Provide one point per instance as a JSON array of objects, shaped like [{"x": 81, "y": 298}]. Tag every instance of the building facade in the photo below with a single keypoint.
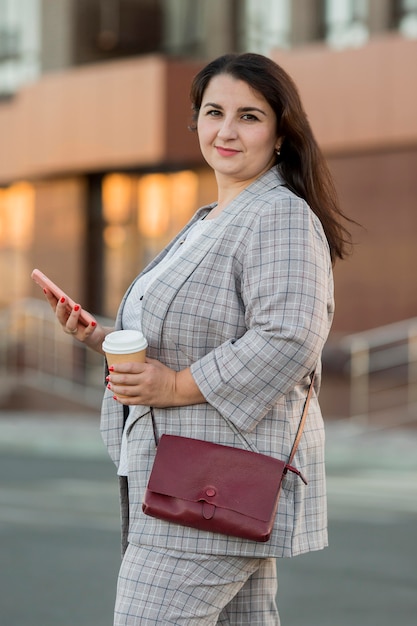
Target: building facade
[{"x": 98, "y": 168}]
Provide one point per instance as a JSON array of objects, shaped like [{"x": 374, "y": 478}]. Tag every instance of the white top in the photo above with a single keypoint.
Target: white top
[{"x": 132, "y": 310}]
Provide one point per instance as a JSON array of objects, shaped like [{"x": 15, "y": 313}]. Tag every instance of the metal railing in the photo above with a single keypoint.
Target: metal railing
[
  {"x": 382, "y": 360},
  {"x": 35, "y": 353}
]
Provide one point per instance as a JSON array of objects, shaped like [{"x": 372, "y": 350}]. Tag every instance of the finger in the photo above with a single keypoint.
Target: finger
[
  {"x": 126, "y": 392},
  {"x": 70, "y": 331},
  {"x": 62, "y": 311},
  {"x": 50, "y": 298},
  {"x": 71, "y": 325},
  {"x": 74, "y": 315},
  {"x": 126, "y": 383},
  {"x": 128, "y": 367},
  {"x": 126, "y": 401},
  {"x": 90, "y": 329}
]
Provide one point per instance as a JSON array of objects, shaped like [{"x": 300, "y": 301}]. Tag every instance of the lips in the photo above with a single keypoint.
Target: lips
[{"x": 226, "y": 152}]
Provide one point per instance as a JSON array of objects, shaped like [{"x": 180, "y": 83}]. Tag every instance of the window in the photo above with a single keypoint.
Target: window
[
  {"x": 184, "y": 26},
  {"x": 267, "y": 25},
  {"x": 17, "y": 215},
  {"x": 110, "y": 29},
  {"x": 141, "y": 214},
  {"x": 346, "y": 22},
  {"x": 19, "y": 43},
  {"x": 408, "y": 18}
]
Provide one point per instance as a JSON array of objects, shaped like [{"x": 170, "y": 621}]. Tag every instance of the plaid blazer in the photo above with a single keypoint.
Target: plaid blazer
[{"x": 248, "y": 308}]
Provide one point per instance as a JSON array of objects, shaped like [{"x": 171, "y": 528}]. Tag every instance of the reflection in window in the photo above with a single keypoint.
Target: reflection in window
[
  {"x": 117, "y": 198},
  {"x": 165, "y": 203},
  {"x": 153, "y": 205},
  {"x": 17, "y": 211},
  {"x": 408, "y": 20},
  {"x": 117, "y": 208},
  {"x": 346, "y": 22},
  {"x": 17, "y": 206},
  {"x": 19, "y": 43},
  {"x": 267, "y": 25},
  {"x": 184, "y": 26},
  {"x": 141, "y": 215}
]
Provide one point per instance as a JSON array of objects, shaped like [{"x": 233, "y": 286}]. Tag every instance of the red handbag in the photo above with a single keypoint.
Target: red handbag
[{"x": 217, "y": 488}]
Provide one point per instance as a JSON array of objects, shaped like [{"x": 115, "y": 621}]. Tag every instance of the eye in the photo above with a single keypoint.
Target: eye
[
  {"x": 213, "y": 113},
  {"x": 250, "y": 117}
]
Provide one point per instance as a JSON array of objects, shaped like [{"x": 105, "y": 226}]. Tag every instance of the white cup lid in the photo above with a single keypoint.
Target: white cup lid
[{"x": 124, "y": 342}]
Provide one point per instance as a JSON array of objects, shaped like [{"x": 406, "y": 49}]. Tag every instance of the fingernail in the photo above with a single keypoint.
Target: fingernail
[
  {"x": 77, "y": 307},
  {"x": 111, "y": 368},
  {"x": 62, "y": 300},
  {"x": 107, "y": 377},
  {"x": 93, "y": 324},
  {"x": 109, "y": 386},
  {"x": 45, "y": 291},
  {"x": 114, "y": 397}
]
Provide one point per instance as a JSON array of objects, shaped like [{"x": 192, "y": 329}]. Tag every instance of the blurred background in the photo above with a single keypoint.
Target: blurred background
[{"x": 98, "y": 170}]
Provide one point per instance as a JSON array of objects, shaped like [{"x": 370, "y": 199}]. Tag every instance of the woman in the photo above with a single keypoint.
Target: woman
[{"x": 236, "y": 311}]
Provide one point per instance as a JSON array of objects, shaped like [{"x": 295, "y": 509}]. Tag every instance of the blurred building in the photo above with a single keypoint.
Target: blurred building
[{"x": 98, "y": 168}]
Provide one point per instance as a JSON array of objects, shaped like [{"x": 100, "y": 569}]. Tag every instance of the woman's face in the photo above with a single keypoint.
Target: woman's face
[{"x": 237, "y": 130}]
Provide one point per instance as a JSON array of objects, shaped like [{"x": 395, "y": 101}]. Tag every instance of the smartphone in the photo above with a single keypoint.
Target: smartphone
[{"x": 45, "y": 282}]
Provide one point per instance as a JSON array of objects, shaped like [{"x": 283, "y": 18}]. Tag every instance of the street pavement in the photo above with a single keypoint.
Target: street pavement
[{"x": 59, "y": 528}]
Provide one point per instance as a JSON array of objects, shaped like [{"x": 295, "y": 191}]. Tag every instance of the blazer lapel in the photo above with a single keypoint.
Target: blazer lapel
[
  {"x": 166, "y": 286},
  {"x": 179, "y": 272},
  {"x": 157, "y": 301}
]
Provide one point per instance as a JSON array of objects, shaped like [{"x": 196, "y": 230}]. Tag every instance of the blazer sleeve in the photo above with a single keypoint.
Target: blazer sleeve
[{"x": 287, "y": 294}]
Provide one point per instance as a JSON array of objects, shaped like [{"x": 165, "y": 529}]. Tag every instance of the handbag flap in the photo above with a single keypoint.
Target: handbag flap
[{"x": 222, "y": 476}]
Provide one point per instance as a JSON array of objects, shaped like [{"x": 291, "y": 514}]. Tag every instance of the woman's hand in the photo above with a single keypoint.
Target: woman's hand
[
  {"x": 153, "y": 384},
  {"x": 92, "y": 335}
]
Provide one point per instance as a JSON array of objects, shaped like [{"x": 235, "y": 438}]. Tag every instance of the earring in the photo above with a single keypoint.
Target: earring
[{"x": 278, "y": 152}]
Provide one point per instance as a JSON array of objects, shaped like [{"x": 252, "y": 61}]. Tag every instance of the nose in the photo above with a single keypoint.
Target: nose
[{"x": 227, "y": 128}]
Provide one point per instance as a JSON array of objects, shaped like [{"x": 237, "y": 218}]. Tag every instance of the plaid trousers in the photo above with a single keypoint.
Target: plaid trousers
[{"x": 160, "y": 586}]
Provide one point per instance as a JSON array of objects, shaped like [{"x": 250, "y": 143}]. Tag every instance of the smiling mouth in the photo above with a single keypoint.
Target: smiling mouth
[{"x": 226, "y": 151}]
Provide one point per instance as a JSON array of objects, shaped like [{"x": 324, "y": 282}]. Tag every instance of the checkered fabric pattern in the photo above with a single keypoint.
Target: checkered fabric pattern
[
  {"x": 248, "y": 308},
  {"x": 157, "y": 586}
]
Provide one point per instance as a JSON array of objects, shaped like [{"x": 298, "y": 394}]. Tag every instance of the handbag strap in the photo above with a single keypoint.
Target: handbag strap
[
  {"x": 302, "y": 420},
  {"x": 236, "y": 430}
]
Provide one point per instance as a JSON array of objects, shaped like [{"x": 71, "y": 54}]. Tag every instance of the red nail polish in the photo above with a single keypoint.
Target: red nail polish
[
  {"x": 62, "y": 300},
  {"x": 107, "y": 377},
  {"x": 77, "y": 307},
  {"x": 114, "y": 397},
  {"x": 111, "y": 368},
  {"x": 109, "y": 386},
  {"x": 93, "y": 324}
]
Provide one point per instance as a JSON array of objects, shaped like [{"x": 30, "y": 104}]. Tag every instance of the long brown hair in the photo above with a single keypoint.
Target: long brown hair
[{"x": 301, "y": 161}]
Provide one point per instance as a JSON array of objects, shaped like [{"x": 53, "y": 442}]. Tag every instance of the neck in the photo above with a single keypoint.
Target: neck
[{"x": 226, "y": 193}]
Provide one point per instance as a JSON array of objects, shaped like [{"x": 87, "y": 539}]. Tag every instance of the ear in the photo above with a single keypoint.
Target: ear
[{"x": 278, "y": 144}]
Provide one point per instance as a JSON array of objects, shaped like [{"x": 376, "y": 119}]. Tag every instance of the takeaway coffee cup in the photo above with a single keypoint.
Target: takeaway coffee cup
[{"x": 123, "y": 346}]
